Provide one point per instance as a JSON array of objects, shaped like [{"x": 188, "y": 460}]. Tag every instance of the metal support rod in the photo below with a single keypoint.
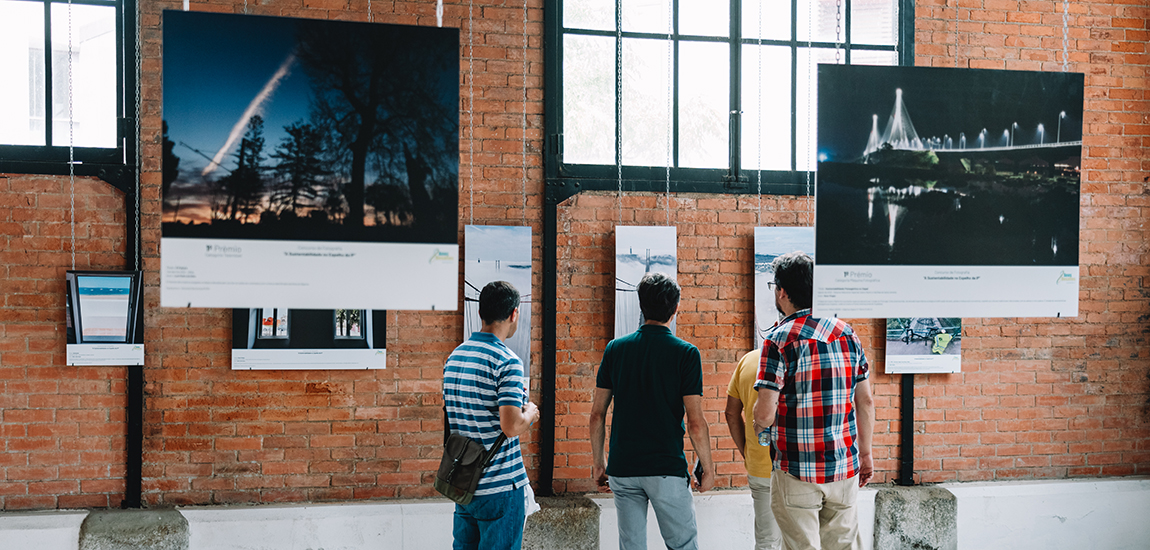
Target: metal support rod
[
  {"x": 906, "y": 432},
  {"x": 133, "y": 477},
  {"x": 547, "y": 397}
]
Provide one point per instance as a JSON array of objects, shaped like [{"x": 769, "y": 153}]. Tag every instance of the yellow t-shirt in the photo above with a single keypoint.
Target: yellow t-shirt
[{"x": 742, "y": 387}]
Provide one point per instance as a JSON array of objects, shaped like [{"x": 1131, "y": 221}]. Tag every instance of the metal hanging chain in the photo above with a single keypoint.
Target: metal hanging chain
[
  {"x": 1065, "y": 35},
  {"x": 811, "y": 61},
  {"x": 245, "y": 7},
  {"x": 139, "y": 151},
  {"x": 670, "y": 106},
  {"x": 523, "y": 135},
  {"x": 71, "y": 140},
  {"x": 471, "y": 112},
  {"x": 838, "y": 29},
  {"x": 370, "y": 19},
  {"x": 619, "y": 105},
  {"x": 956, "y": 34}
]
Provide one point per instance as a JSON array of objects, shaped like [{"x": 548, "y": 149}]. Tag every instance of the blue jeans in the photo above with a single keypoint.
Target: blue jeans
[
  {"x": 492, "y": 522},
  {"x": 674, "y": 506}
]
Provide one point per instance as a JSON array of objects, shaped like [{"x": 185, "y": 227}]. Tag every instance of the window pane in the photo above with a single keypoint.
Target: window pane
[
  {"x": 646, "y": 16},
  {"x": 93, "y": 75},
  {"x": 773, "y": 77},
  {"x": 281, "y": 322},
  {"x": 646, "y": 102},
  {"x": 704, "y": 104},
  {"x": 589, "y": 14},
  {"x": 589, "y": 99},
  {"x": 775, "y": 19},
  {"x": 704, "y": 17},
  {"x": 807, "y": 103},
  {"x": 871, "y": 57},
  {"x": 267, "y": 322},
  {"x": 22, "y": 64},
  {"x": 821, "y": 15},
  {"x": 873, "y": 22}
]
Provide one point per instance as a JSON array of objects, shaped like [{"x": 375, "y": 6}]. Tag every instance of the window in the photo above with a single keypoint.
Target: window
[
  {"x": 274, "y": 323},
  {"x": 64, "y": 72},
  {"x": 689, "y": 84},
  {"x": 349, "y": 324}
]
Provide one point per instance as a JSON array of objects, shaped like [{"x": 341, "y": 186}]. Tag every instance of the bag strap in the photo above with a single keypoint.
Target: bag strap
[{"x": 446, "y": 430}]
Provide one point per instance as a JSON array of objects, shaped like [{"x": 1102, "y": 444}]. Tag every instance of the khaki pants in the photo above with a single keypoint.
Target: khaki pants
[
  {"x": 813, "y": 516},
  {"x": 767, "y": 535}
]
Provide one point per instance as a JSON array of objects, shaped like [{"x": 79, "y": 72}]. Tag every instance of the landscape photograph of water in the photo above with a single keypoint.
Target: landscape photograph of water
[
  {"x": 770, "y": 243},
  {"x": 638, "y": 251},
  {"x": 498, "y": 253},
  {"x": 942, "y": 167}
]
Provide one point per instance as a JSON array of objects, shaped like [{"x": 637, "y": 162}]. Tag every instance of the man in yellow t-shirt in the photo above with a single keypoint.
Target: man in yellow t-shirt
[{"x": 741, "y": 396}]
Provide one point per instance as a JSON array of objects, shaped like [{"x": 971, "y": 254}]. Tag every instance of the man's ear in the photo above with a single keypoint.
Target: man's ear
[{"x": 514, "y": 318}]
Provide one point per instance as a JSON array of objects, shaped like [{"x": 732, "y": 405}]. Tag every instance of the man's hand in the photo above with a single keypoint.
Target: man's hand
[
  {"x": 708, "y": 482},
  {"x": 866, "y": 468},
  {"x": 599, "y": 474},
  {"x": 531, "y": 412}
]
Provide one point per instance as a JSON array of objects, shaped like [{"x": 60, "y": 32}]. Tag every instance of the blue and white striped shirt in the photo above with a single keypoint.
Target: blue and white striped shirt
[{"x": 480, "y": 376}]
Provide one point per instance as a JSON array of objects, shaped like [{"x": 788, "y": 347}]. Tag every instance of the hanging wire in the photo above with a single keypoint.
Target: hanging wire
[
  {"x": 1065, "y": 35},
  {"x": 71, "y": 140},
  {"x": 471, "y": 112},
  {"x": 759, "y": 213},
  {"x": 139, "y": 152},
  {"x": 956, "y": 34},
  {"x": 670, "y": 105},
  {"x": 811, "y": 101},
  {"x": 523, "y": 135},
  {"x": 619, "y": 105}
]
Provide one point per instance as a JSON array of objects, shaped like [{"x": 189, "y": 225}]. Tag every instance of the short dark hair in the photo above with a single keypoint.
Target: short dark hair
[
  {"x": 658, "y": 297},
  {"x": 497, "y": 300},
  {"x": 795, "y": 273}
]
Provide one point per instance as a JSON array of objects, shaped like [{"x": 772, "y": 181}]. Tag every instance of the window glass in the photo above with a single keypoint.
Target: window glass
[
  {"x": 873, "y": 22},
  {"x": 22, "y": 97},
  {"x": 646, "y": 102},
  {"x": 349, "y": 323},
  {"x": 704, "y": 18},
  {"x": 774, "y": 18},
  {"x": 874, "y": 57},
  {"x": 589, "y": 14},
  {"x": 767, "y": 86},
  {"x": 822, "y": 14},
  {"x": 93, "y": 86},
  {"x": 646, "y": 16},
  {"x": 589, "y": 99},
  {"x": 806, "y": 92},
  {"x": 704, "y": 99}
]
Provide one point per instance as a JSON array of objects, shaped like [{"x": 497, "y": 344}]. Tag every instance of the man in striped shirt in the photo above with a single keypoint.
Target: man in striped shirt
[
  {"x": 485, "y": 392},
  {"x": 813, "y": 380}
]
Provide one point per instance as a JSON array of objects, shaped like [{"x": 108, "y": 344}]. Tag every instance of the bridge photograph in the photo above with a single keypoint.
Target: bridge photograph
[{"x": 934, "y": 166}]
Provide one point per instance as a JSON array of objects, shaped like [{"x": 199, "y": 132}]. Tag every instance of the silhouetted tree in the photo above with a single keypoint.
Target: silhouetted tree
[
  {"x": 391, "y": 203},
  {"x": 376, "y": 91},
  {"x": 171, "y": 164},
  {"x": 300, "y": 167},
  {"x": 243, "y": 189}
]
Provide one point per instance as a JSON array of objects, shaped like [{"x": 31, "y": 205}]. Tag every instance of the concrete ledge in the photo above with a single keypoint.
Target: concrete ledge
[
  {"x": 563, "y": 523},
  {"x": 915, "y": 518},
  {"x": 49, "y": 530},
  {"x": 134, "y": 530}
]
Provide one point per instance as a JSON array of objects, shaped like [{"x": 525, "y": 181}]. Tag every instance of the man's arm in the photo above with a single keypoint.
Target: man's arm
[
  {"x": 736, "y": 424},
  {"x": 864, "y": 412},
  {"x": 515, "y": 420},
  {"x": 765, "y": 408},
  {"x": 598, "y": 434},
  {"x": 700, "y": 439}
]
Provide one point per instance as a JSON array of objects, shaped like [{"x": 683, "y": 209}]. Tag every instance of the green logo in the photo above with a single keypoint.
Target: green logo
[{"x": 1064, "y": 277}]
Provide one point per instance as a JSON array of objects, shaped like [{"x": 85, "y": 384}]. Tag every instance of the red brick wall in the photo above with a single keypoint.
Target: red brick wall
[{"x": 1037, "y": 397}]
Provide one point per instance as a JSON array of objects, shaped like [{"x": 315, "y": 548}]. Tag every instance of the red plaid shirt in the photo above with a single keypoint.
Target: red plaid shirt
[{"x": 815, "y": 365}]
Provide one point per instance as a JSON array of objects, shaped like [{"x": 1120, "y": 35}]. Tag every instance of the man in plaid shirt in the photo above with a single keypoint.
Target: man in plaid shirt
[{"x": 813, "y": 380}]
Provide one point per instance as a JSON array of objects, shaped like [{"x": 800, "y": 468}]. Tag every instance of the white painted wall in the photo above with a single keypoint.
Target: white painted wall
[
  {"x": 49, "y": 530},
  {"x": 1111, "y": 514}
]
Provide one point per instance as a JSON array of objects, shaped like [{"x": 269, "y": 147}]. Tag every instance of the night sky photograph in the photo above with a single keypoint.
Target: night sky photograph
[
  {"x": 296, "y": 129},
  {"x": 935, "y": 166}
]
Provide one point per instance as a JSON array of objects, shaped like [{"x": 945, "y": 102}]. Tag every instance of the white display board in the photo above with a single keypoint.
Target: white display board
[
  {"x": 770, "y": 243},
  {"x": 498, "y": 253},
  {"x": 640, "y": 250},
  {"x": 947, "y": 192}
]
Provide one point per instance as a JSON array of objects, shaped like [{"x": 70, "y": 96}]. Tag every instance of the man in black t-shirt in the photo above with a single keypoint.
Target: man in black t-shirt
[{"x": 654, "y": 378}]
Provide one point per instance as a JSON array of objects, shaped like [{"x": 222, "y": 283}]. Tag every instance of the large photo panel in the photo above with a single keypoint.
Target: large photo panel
[
  {"x": 309, "y": 164},
  {"x": 640, "y": 250},
  {"x": 947, "y": 192},
  {"x": 770, "y": 243},
  {"x": 498, "y": 253}
]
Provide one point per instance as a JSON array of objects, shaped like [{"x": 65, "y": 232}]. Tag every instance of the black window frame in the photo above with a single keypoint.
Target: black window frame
[
  {"x": 567, "y": 179},
  {"x": 115, "y": 165}
]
